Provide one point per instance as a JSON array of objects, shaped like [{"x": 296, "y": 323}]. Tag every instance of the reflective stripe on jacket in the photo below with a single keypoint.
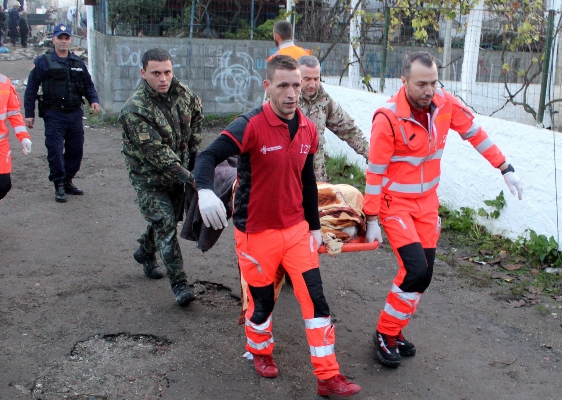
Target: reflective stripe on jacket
[
  {"x": 10, "y": 105},
  {"x": 405, "y": 158}
]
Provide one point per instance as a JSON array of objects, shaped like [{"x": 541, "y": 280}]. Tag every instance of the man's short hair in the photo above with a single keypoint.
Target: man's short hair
[
  {"x": 155, "y": 55},
  {"x": 284, "y": 29},
  {"x": 425, "y": 58},
  {"x": 280, "y": 62},
  {"x": 308, "y": 61}
]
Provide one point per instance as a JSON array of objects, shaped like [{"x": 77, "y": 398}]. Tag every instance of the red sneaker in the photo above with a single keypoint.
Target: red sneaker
[
  {"x": 337, "y": 386},
  {"x": 265, "y": 366}
]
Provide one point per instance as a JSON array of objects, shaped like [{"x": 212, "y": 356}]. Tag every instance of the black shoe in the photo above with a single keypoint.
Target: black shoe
[
  {"x": 183, "y": 293},
  {"x": 60, "y": 194},
  {"x": 71, "y": 189},
  {"x": 406, "y": 349},
  {"x": 387, "y": 349},
  {"x": 150, "y": 267}
]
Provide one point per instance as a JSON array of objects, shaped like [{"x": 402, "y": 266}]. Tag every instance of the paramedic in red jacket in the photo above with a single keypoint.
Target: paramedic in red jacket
[
  {"x": 10, "y": 105},
  {"x": 407, "y": 141},
  {"x": 276, "y": 219}
]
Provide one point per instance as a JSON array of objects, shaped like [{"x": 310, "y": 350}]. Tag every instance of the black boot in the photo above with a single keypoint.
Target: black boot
[
  {"x": 183, "y": 293},
  {"x": 60, "y": 194},
  {"x": 71, "y": 189},
  {"x": 150, "y": 267}
]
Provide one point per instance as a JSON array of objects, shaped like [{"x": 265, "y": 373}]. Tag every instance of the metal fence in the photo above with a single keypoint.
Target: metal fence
[
  {"x": 503, "y": 77},
  {"x": 230, "y": 19}
]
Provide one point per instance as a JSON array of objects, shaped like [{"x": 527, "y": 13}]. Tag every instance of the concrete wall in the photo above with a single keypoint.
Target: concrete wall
[{"x": 228, "y": 74}]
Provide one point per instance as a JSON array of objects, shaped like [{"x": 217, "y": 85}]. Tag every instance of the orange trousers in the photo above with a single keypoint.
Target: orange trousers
[
  {"x": 412, "y": 227},
  {"x": 259, "y": 257}
]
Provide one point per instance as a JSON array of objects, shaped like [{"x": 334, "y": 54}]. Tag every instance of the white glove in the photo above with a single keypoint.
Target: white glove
[
  {"x": 26, "y": 146},
  {"x": 514, "y": 184},
  {"x": 315, "y": 239},
  {"x": 373, "y": 232},
  {"x": 212, "y": 209}
]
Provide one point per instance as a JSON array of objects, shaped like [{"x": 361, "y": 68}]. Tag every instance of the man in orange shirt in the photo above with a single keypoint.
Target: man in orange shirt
[
  {"x": 283, "y": 37},
  {"x": 10, "y": 105}
]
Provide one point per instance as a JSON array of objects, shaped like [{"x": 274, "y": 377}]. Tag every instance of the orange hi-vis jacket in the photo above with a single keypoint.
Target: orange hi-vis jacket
[
  {"x": 290, "y": 50},
  {"x": 405, "y": 158},
  {"x": 10, "y": 105}
]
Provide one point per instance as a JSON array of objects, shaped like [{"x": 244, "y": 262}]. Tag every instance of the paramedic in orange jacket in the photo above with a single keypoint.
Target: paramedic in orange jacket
[
  {"x": 283, "y": 37},
  {"x": 10, "y": 105},
  {"x": 407, "y": 141}
]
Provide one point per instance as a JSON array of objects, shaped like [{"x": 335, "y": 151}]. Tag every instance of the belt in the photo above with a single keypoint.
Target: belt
[{"x": 63, "y": 109}]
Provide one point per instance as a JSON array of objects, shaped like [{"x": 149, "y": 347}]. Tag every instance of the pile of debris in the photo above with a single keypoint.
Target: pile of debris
[{"x": 39, "y": 44}]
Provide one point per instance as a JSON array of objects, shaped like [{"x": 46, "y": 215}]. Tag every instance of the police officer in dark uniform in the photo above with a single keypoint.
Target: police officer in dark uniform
[{"x": 64, "y": 80}]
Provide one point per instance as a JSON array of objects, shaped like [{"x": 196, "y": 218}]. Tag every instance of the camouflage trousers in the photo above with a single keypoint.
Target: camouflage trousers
[{"x": 163, "y": 210}]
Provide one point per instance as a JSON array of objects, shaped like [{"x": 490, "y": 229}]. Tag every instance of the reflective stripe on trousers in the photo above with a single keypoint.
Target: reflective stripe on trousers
[
  {"x": 289, "y": 247},
  {"x": 406, "y": 222}
]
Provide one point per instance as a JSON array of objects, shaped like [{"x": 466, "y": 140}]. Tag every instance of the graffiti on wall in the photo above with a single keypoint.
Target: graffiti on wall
[{"x": 238, "y": 80}]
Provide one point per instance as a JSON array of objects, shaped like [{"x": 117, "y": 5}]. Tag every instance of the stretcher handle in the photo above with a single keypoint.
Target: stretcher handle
[{"x": 357, "y": 244}]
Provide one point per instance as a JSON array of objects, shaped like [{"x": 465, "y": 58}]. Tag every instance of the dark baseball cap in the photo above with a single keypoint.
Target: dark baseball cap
[{"x": 62, "y": 28}]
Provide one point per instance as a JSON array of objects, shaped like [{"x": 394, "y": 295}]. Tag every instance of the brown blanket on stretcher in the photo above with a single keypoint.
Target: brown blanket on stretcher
[{"x": 340, "y": 206}]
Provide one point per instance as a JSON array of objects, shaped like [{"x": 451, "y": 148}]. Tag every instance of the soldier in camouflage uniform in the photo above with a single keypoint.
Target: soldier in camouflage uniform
[
  {"x": 161, "y": 133},
  {"x": 317, "y": 105}
]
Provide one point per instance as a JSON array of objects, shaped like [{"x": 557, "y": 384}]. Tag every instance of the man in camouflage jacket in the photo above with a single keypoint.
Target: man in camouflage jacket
[
  {"x": 317, "y": 105},
  {"x": 161, "y": 132}
]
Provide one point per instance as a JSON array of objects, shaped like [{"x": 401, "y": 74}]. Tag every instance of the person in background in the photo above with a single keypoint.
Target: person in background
[
  {"x": 25, "y": 29},
  {"x": 161, "y": 134},
  {"x": 283, "y": 37},
  {"x": 325, "y": 112},
  {"x": 275, "y": 220},
  {"x": 408, "y": 138},
  {"x": 71, "y": 17},
  {"x": 2, "y": 26},
  {"x": 13, "y": 22},
  {"x": 52, "y": 19},
  {"x": 10, "y": 105},
  {"x": 65, "y": 81}
]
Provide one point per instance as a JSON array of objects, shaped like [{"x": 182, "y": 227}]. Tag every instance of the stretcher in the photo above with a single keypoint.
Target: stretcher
[{"x": 356, "y": 244}]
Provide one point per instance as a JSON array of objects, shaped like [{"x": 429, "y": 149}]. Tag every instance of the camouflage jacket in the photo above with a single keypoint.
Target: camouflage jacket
[
  {"x": 327, "y": 113},
  {"x": 160, "y": 132}
]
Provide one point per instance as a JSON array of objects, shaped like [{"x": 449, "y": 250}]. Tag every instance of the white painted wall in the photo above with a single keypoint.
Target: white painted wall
[{"x": 468, "y": 179}]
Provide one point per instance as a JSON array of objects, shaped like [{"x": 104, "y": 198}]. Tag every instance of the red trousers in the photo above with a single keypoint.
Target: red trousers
[
  {"x": 412, "y": 227},
  {"x": 259, "y": 256}
]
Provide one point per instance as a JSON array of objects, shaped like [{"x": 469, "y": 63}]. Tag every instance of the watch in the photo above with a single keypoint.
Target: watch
[{"x": 508, "y": 169}]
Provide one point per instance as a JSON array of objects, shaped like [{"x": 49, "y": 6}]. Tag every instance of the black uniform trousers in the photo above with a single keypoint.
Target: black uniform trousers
[{"x": 64, "y": 140}]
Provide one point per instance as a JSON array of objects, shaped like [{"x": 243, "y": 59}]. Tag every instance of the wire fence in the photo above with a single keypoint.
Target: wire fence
[{"x": 508, "y": 79}]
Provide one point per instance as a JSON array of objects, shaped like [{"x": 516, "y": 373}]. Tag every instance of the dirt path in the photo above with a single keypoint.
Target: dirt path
[{"x": 78, "y": 320}]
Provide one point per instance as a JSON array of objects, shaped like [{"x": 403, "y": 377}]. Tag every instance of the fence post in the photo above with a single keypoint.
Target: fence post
[
  {"x": 471, "y": 50},
  {"x": 354, "y": 53},
  {"x": 252, "y": 22},
  {"x": 290, "y": 17},
  {"x": 384, "y": 48},
  {"x": 191, "y": 19},
  {"x": 546, "y": 66},
  {"x": 447, "y": 49}
]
